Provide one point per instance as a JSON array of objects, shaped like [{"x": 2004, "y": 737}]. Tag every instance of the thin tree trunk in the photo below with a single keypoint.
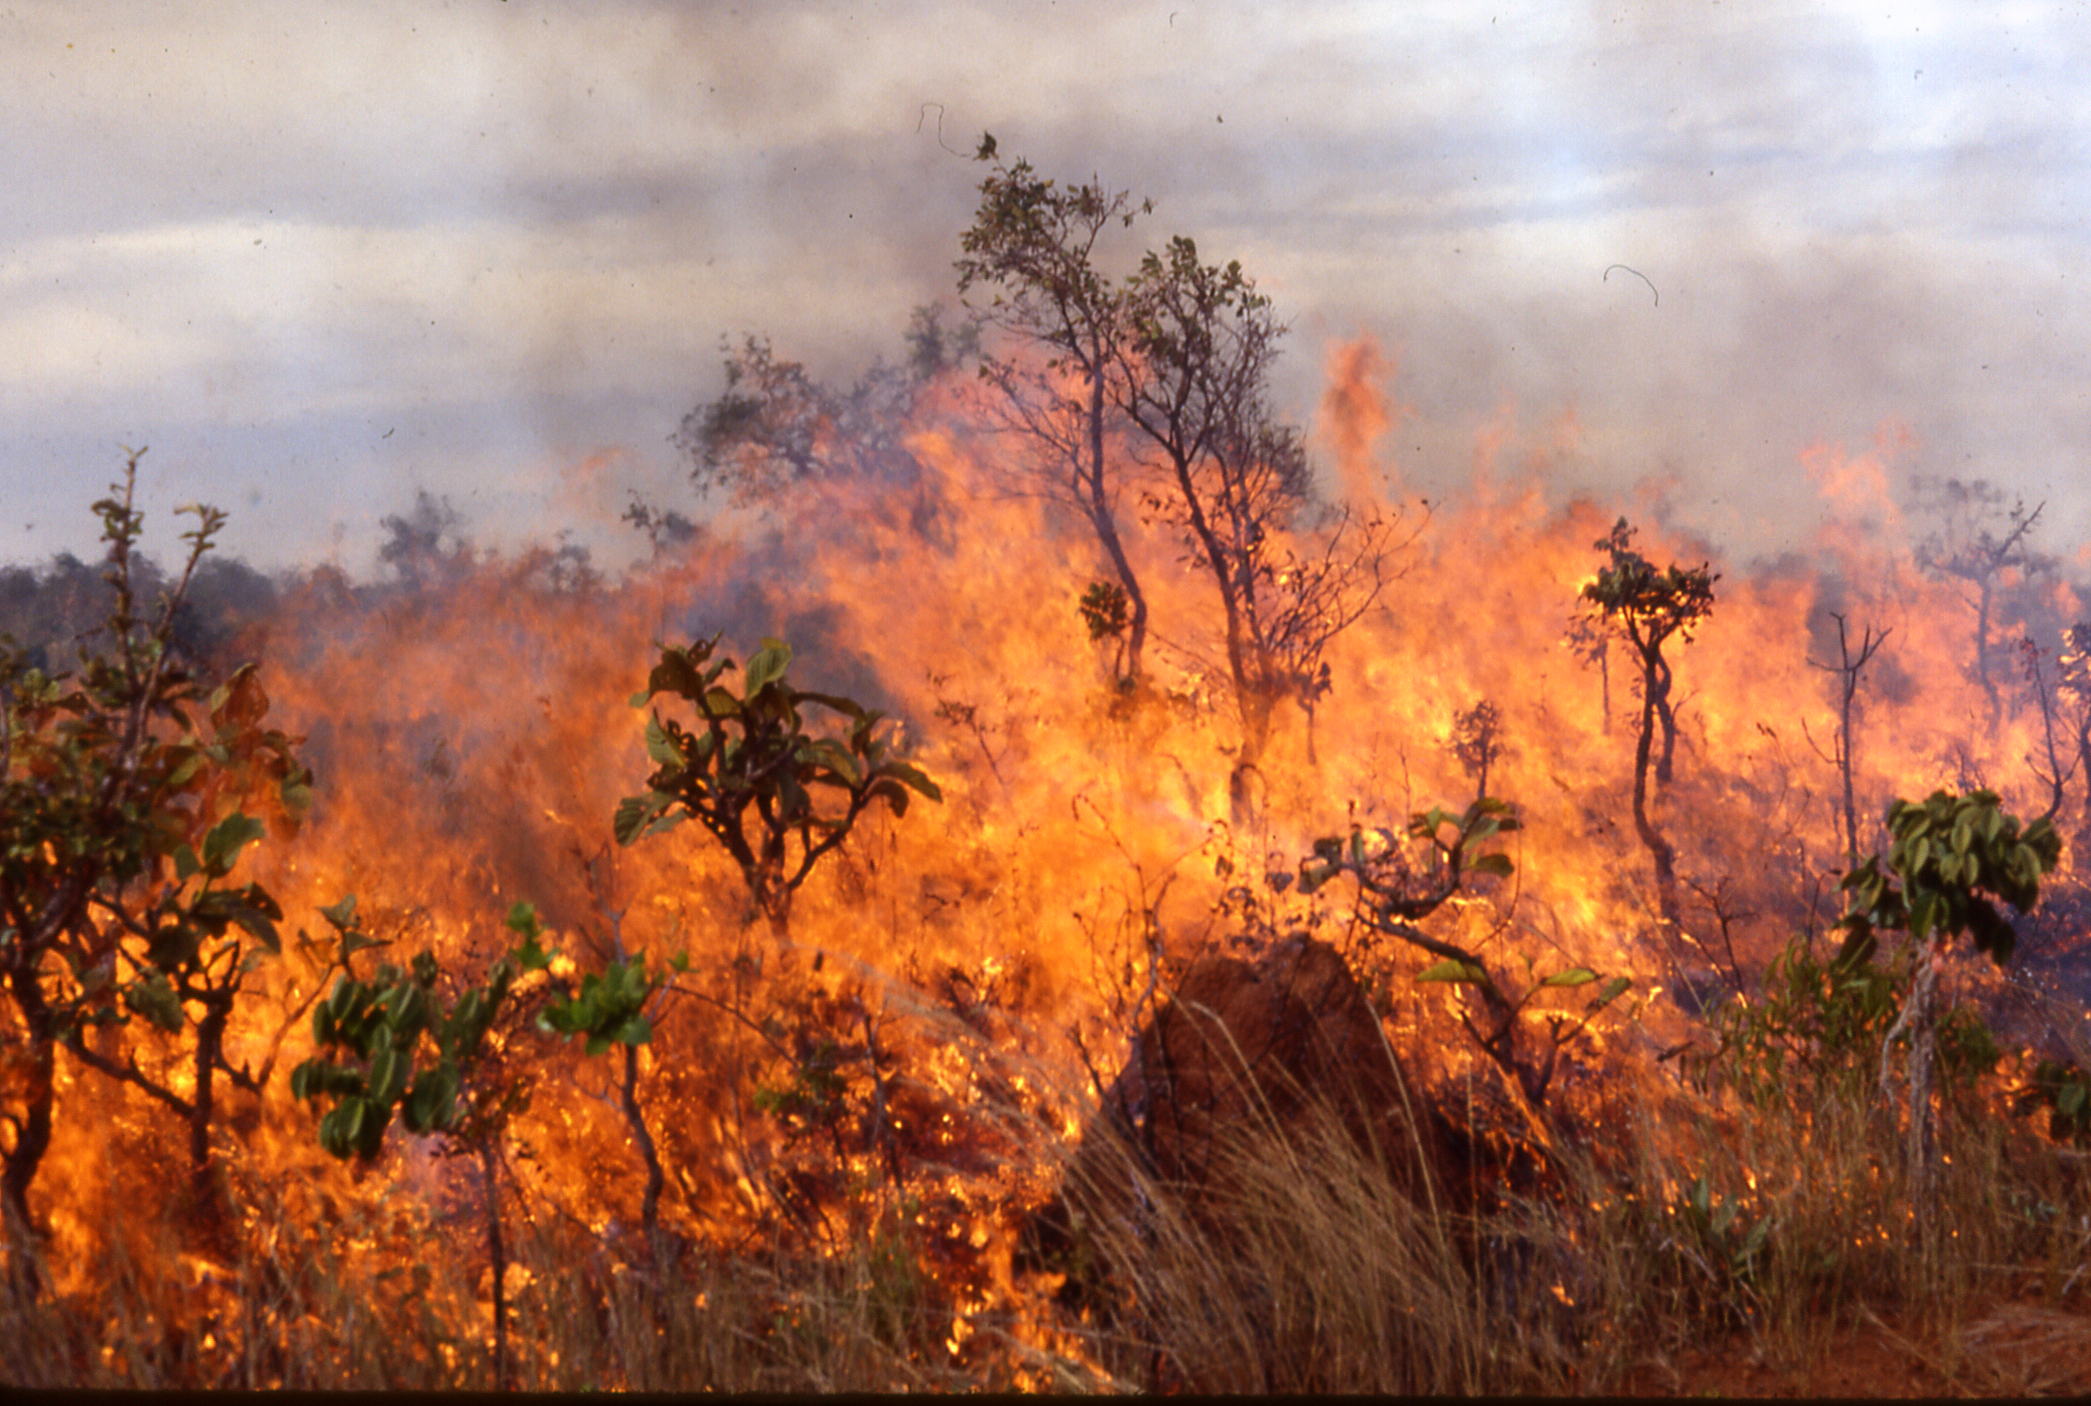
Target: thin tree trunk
[
  {"x": 1659, "y": 849},
  {"x": 33, "y": 1131},
  {"x": 650, "y": 1202},
  {"x": 497, "y": 1254},
  {"x": 1918, "y": 1020},
  {"x": 1096, "y": 491}
]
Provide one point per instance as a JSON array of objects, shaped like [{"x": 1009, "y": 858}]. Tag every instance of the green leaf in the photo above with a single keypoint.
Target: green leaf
[
  {"x": 767, "y": 665},
  {"x": 333, "y": 1132},
  {"x": 660, "y": 747},
  {"x": 352, "y": 1112},
  {"x": 914, "y": 777},
  {"x": 186, "y": 863},
  {"x": 1574, "y": 976},
  {"x": 674, "y": 674},
  {"x": 154, "y": 997},
  {"x": 428, "y": 1105},
  {"x": 388, "y": 1075},
  {"x": 1497, "y": 864},
  {"x": 1453, "y": 970},
  {"x": 222, "y": 846},
  {"x": 341, "y": 915},
  {"x": 185, "y": 769},
  {"x": 1610, "y": 992},
  {"x": 296, "y": 797},
  {"x": 635, "y": 813},
  {"x": 636, "y": 1030},
  {"x": 522, "y": 918}
]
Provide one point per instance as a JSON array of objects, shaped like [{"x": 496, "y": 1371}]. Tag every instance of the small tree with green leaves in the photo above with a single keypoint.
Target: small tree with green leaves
[
  {"x": 1648, "y": 606},
  {"x": 395, "y": 1047},
  {"x": 1952, "y": 858},
  {"x": 613, "y": 1007},
  {"x": 1402, "y": 880},
  {"x": 399, "y": 1046},
  {"x": 776, "y": 791},
  {"x": 121, "y": 787}
]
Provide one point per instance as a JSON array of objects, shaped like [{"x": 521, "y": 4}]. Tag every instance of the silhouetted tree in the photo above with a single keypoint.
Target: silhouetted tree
[
  {"x": 1194, "y": 382},
  {"x": 1978, "y": 544},
  {"x": 1648, "y": 606},
  {"x": 1032, "y": 246}
]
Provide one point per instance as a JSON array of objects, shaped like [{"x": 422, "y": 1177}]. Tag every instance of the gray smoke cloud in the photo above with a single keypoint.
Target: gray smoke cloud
[{"x": 323, "y": 256}]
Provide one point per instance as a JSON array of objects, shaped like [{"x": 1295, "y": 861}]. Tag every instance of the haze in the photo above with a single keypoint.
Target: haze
[{"x": 320, "y": 257}]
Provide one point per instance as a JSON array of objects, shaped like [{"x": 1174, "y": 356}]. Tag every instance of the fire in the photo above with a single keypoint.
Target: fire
[{"x": 962, "y": 982}]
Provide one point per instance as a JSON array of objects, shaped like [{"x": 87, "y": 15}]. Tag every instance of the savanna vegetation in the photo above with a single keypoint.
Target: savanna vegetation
[{"x": 1050, "y": 875}]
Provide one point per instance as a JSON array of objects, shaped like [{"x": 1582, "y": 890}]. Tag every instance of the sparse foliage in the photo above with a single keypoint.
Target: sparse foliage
[
  {"x": 1195, "y": 384},
  {"x": 1851, "y": 664},
  {"x": 1032, "y": 248},
  {"x": 1648, "y": 606},
  {"x": 1983, "y": 546},
  {"x": 776, "y": 794},
  {"x": 775, "y": 427},
  {"x": 1951, "y": 860},
  {"x": 1403, "y": 879},
  {"x": 121, "y": 787}
]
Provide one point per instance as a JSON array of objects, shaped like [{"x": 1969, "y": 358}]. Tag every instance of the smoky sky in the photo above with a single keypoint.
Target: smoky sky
[{"x": 320, "y": 257}]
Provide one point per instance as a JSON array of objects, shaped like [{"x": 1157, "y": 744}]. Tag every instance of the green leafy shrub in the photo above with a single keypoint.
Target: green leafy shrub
[{"x": 776, "y": 793}]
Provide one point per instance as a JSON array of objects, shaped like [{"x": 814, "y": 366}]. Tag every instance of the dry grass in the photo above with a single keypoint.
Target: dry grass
[{"x": 1302, "y": 1268}]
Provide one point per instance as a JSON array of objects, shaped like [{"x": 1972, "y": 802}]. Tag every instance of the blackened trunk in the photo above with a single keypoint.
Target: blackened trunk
[
  {"x": 1098, "y": 504},
  {"x": 497, "y": 1255},
  {"x": 650, "y": 1203},
  {"x": 32, "y": 1141},
  {"x": 210, "y": 1044},
  {"x": 33, "y": 1132},
  {"x": 1658, "y": 848}
]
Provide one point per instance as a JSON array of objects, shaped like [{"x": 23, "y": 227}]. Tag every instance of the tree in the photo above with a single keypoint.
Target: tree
[
  {"x": 1950, "y": 857},
  {"x": 1979, "y": 543},
  {"x": 1194, "y": 382},
  {"x": 2073, "y": 684},
  {"x": 774, "y": 794},
  {"x": 398, "y": 1046},
  {"x": 610, "y": 1007},
  {"x": 1402, "y": 880},
  {"x": 1033, "y": 245},
  {"x": 1477, "y": 741},
  {"x": 1648, "y": 606},
  {"x": 426, "y": 548},
  {"x": 120, "y": 828},
  {"x": 1851, "y": 663},
  {"x": 775, "y": 427}
]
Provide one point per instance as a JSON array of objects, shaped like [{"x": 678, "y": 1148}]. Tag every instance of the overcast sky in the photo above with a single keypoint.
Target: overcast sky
[{"x": 321, "y": 255}]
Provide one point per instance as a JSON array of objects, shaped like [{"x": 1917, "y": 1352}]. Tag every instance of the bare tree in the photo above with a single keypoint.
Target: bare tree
[
  {"x": 1978, "y": 543},
  {"x": 1851, "y": 663}
]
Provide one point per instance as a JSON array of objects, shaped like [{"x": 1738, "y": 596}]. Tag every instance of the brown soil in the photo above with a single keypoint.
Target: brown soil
[{"x": 2019, "y": 1349}]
